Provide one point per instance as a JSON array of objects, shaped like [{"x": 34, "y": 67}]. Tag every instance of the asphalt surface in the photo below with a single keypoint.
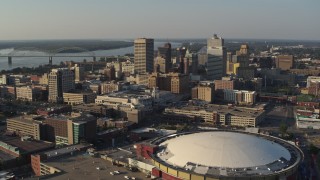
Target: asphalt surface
[
  {"x": 87, "y": 167},
  {"x": 285, "y": 114}
]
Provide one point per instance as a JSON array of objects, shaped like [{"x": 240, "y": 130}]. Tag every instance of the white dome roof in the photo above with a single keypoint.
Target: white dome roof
[{"x": 222, "y": 149}]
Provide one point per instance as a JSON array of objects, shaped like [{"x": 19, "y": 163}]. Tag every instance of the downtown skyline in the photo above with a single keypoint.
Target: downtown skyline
[{"x": 160, "y": 89}]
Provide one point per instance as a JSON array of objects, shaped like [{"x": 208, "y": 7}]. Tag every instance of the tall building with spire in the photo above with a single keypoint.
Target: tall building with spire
[{"x": 78, "y": 73}]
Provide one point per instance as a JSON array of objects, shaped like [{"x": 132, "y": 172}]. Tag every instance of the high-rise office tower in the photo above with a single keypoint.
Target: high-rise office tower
[
  {"x": 60, "y": 80},
  {"x": 110, "y": 73},
  {"x": 243, "y": 55},
  {"x": 285, "y": 62},
  {"x": 78, "y": 73},
  {"x": 202, "y": 56},
  {"x": 143, "y": 55},
  {"x": 185, "y": 65},
  {"x": 215, "y": 41},
  {"x": 162, "y": 63},
  {"x": 245, "y": 71},
  {"x": 193, "y": 62},
  {"x": 244, "y": 50},
  {"x": 165, "y": 52},
  {"x": 159, "y": 65},
  {"x": 181, "y": 53},
  {"x": 216, "y": 63},
  {"x": 229, "y": 56}
]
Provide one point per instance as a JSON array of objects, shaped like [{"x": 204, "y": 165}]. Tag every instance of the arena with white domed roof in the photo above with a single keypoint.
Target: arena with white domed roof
[{"x": 225, "y": 155}]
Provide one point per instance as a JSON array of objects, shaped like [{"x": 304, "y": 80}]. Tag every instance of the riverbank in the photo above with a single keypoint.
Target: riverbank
[
  {"x": 52, "y": 45},
  {"x": 36, "y": 61}
]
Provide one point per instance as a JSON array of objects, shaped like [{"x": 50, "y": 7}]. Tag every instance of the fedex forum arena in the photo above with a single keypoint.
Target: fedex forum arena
[{"x": 213, "y": 155}]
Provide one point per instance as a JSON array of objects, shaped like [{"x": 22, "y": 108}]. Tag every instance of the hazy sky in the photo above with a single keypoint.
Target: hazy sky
[{"x": 112, "y": 19}]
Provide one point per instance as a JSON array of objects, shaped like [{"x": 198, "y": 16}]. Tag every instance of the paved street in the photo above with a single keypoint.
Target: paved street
[
  {"x": 285, "y": 114},
  {"x": 276, "y": 116}
]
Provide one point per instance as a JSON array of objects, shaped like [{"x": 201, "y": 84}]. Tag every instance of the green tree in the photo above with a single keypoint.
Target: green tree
[{"x": 283, "y": 128}]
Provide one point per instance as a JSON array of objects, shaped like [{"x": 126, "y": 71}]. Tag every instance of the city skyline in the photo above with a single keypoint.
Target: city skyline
[
  {"x": 246, "y": 19},
  {"x": 171, "y": 89}
]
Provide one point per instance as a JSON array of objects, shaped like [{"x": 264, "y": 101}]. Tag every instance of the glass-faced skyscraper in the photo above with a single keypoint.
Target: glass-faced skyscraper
[
  {"x": 143, "y": 55},
  {"x": 216, "y": 63}
]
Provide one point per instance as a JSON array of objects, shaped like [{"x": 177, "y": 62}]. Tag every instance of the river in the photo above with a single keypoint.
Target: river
[{"x": 36, "y": 61}]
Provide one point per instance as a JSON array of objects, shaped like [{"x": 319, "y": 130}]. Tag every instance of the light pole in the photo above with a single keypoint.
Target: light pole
[{"x": 317, "y": 83}]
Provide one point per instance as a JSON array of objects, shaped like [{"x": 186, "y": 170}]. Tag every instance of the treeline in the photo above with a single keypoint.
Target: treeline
[
  {"x": 313, "y": 53},
  {"x": 40, "y": 70},
  {"x": 91, "y": 45}
]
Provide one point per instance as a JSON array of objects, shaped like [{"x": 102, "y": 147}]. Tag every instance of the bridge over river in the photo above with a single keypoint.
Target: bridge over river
[{"x": 50, "y": 54}]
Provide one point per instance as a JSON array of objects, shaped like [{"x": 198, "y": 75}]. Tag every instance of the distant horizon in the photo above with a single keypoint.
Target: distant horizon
[
  {"x": 132, "y": 39},
  {"x": 166, "y": 19}
]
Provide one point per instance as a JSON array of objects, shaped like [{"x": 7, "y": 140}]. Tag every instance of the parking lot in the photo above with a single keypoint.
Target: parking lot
[
  {"x": 278, "y": 115},
  {"x": 87, "y": 167}
]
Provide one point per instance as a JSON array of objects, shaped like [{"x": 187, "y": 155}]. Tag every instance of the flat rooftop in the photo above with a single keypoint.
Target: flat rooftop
[
  {"x": 65, "y": 150},
  {"x": 28, "y": 119},
  {"x": 122, "y": 154},
  {"x": 51, "y": 107},
  {"x": 5, "y": 156},
  {"x": 81, "y": 118},
  {"x": 222, "y": 109},
  {"x": 84, "y": 166},
  {"x": 128, "y": 94},
  {"x": 27, "y": 146},
  {"x": 162, "y": 132},
  {"x": 107, "y": 131},
  {"x": 306, "y": 118}
]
